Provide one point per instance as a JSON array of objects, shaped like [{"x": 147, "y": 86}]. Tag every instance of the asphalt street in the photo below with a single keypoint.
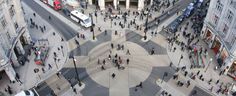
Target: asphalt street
[
  {"x": 61, "y": 27},
  {"x": 181, "y": 5}
]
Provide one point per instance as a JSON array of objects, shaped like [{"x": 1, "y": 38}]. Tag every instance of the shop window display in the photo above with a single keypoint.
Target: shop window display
[{"x": 232, "y": 70}]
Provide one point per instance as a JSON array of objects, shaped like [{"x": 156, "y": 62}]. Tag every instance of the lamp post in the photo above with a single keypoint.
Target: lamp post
[
  {"x": 181, "y": 57},
  {"x": 164, "y": 75},
  {"x": 96, "y": 16},
  {"x": 91, "y": 28},
  {"x": 77, "y": 75},
  {"x": 146, "y": 27},
  {"x": 111, "y": 22},
  {"x": 55, "y": 60},
  {"x": 210, "y": 61}
]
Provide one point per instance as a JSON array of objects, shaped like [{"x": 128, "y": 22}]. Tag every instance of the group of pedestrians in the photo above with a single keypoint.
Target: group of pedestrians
[
  {"x": 115, "y": 59},
  {"x": 222, "y": 87}
]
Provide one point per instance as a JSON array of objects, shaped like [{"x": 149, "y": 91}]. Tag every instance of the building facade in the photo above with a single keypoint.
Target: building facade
[
  {"x": 102, "y": 4},
  {"x": 219, "y": 32},
  {"x": 13, "y": 36}
]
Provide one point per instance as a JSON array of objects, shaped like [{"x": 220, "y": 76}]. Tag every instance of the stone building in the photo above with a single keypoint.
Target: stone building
[
  {"x": 14, "y": 36},
  {"x": 139, "y": 4},
  {"x": 219, "y": 32}
]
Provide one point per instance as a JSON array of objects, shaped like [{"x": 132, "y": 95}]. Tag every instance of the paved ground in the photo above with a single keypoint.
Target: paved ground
[
  {"x": 26, "y": 73},
  {"x": 143, "y": 67}
]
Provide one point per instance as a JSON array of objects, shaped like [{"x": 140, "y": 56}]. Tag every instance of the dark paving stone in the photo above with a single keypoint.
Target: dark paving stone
[
  {"x": 136, "y": 38},
  {"x": 89, "y": 45},
  {"x": 91, "y": 88},
  {"x": 150, "y": 88},
  {"x": 199, "y": 92},
  {"x": 43, "y": 89}
]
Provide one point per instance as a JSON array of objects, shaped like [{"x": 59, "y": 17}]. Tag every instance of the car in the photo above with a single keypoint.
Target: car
[
  {"x": 25, "y": 93},
  {"x": 66, "y": 11}
]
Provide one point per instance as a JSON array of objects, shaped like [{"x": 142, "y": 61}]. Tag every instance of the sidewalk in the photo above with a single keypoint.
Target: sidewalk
[
  {"x": 209, "y": 74},
  {"x": 173, "y": 56},
  {"x": 26, "y": 72}
]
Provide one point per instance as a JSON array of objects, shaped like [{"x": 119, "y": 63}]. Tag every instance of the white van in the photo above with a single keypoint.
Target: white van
[
  {"x": 25, "y": 93},
  {"x": 81, "y": 18}
]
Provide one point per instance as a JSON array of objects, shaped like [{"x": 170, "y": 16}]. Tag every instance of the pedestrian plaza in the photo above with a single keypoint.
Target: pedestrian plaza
[{"x": 121, "y": 56}]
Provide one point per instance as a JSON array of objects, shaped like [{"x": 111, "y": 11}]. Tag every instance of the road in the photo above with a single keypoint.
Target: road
[
  {"x": 176, "y": 8},
  {"x": 61, "y": 27}
]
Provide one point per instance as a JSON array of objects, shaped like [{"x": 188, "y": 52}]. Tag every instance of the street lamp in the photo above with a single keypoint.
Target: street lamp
[
  {"x": 91, "y": 28},
  {"x": 146, "y": 27},
  {"x": 55, "y": 60},
  {"x": 77, "y": 75},
  {"x": 181, "y": 57},
  {"x": 111, "y": 22},
  {"x": 210, "y": 61},
  {"x": 96, "y": 16},
  {"x": 164, "y": 75}
]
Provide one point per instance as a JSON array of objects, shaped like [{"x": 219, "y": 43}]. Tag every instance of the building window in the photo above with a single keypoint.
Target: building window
[
  {"x": 3, "y": 22},
  {"x": 233, "y": 40},
  {"x": 225, "y": 29},
  {"x": 230, "y": 16},
  {"x": 16, "y": 25},
  {"x": 8, "y": 35},
  {"x": 219, "y": 7},
  {"x": 216, "y": 19},
  {"x": 12, "y": 11},
  {"x": 233, "y": 3}
]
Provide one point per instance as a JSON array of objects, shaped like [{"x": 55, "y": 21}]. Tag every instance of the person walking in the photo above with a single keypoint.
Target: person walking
[
  {"x": 112, "y": 46},
  {"x": 217, "y": 81},
  {"x": 127, "y": 60},
  {"x": 113, "y": 75},
  {"x": 74, "y": 90},
  {"x": 58, "y": 75},
  {"x": 18, "y": 78},
  {"x": 141, "y": 84},
  {"x": 185, "y": 73},
  {"x": 49, "y": 17},
  {"x": 49, "y": 66},
  {"x": 104, "y": 61},
  {"x": 209, "y": 82},
  {"x": 198, "y": 72},
  {"x": 99, "y": 61},
  {"x": 43, "y": 70},
  {"x": 103, "y": 68},
  {"x": 127, "y": 52},
  {"x": 171, "y": 64},
  {"x": 200, "y": 77},
  {"x": 188, "y": 83},
  {"x": 109, "y": 57}
]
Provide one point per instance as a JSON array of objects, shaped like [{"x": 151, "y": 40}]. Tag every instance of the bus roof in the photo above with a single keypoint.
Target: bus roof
[{"x": 79, "y": 14}]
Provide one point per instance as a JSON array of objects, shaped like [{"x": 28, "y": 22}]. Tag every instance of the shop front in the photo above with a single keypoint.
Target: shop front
[
  {"x": 216, "y": 45},
  {"x": 222, "y": 57},
  {"x": 232, "y": 70},
  {"x": 134, "y": 3},
  {"x": 208, "y": 36},
  {"x": 109, "y": 3}
]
